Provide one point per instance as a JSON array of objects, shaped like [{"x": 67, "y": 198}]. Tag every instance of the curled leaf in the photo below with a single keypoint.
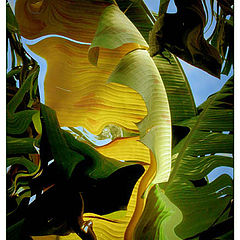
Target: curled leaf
[
  {"x": 182, "y": 34},
  {"x": 132, "y": 68},
  {"x": 114, "y": 30},
  {"x": 202, "y": 150}
]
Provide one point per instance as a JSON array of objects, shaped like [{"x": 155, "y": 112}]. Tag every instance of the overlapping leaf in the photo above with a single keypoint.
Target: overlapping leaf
[
  {"x": 194, "y": 158},
  {"x": 165, "y": 216},
  {"x": 17, "y": 123},
  {"x": 197, "y": 155},
  {"x": 78, "y": 91},
  {"x": 85, "y": 170},
  {"x": 68, "y": 152},
  {"x": 157, "y": 123},
  {"x": 134, "y": 66},
  {"x": 139, "y": 14},
  {"x": 111, "y": 33},
  {"x": 182, "y": 34},
  {"x": 179, "y": 93}
]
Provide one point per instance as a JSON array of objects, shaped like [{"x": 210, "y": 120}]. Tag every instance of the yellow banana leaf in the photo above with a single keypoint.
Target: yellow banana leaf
[
  {"x": 78, "y": 91},
  {"x": 127, "y": 149},
  {"x": 62, "y": 17}
]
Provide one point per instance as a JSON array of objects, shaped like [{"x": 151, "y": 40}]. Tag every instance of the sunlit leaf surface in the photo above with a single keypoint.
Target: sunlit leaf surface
[
  {"x": 138, "y": 71},
  {"x": 179, "y": 93},
  {"x": 203, "y": 149},
  {"x": 78, "y": 90},
  {"x": 114, "y": 30},
  {"x": 128, "y": 149},
  {"x": 70, "y": 19},
  {"x": 159, "y": 218}
]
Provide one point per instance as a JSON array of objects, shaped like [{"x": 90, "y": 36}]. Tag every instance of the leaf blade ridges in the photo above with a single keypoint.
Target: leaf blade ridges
[{"x": 195, "y": 157}]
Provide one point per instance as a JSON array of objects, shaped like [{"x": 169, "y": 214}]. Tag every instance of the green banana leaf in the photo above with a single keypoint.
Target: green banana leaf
[
  {"x": 159, "y": 217},
  {"x": 20, "y": 145},
  {"x": 12, "y": 24},
  {"x": 196, "y": 156},
  {"x": 155, "y": 128},
  {"x": 178, "y": 90},
  {"x": 172, "y": 74},
  {"x": 111, "y": 33},
  {"x": 139, "y": 15},
  {"x": 17, "y": 123},
  {"x": 31, "y": 167},
  {"x": 203, "y": 206}
]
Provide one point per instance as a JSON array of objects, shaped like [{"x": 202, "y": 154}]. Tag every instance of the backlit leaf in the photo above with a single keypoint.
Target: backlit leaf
[
  {"x": 132, "y": 68},
  {"x": 114, "y": 30},
  {"x": 78, "y": 90},
  {"x": 201, "y": 151},
  {"x": 159, "y": 218},
  {"x": 70, "y": 19},
  {"x": 179, "y": 93},
  {"x": 37, "y": 122}
]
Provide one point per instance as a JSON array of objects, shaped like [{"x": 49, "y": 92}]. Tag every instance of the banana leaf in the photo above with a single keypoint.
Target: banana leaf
[
  {"x": 20, "y": 145},
  {"x": 165, "y": 216},
  {"x": 82, "y": 165},
  {"x": 139, "y": 15},
  {"x": 178, "y": 90},
  {"x": 77, "y": 168},
  {"x": 31, "y": 167},
  {"x": 36, "y": 19},
  {"x": 203, "y": 206},
  {"x": 12, "y": 25},
  {"x": 17, "y": 123},
  {"x": 182, "y": 34}
]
